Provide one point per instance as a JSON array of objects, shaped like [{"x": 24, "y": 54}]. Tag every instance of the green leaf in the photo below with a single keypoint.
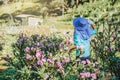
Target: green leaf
[
  {"x": 41, "y": 74},
  {"x": 103, "y": 78},
  {"x": 81, "y": 67},
  {"x": 55, "y": 78}
]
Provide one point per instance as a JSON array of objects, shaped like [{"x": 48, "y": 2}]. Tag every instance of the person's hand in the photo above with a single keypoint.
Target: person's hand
[{"x": 80, "y": 48}]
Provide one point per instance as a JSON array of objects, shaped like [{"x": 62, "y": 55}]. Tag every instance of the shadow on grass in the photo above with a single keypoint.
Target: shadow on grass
[
  {"x": 32, "y": 10},
  {"x": 7, "y": 74}
]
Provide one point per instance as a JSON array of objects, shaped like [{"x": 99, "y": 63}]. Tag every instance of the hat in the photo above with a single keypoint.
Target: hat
[
  {"x": 82, "y": 28},
  {"x": 80, "y": 23}
]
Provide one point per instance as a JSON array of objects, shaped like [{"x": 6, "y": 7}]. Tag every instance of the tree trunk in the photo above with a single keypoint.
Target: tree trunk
[
  {"x": 77, "y": 1},
  {"x": 63, "y": 8}
]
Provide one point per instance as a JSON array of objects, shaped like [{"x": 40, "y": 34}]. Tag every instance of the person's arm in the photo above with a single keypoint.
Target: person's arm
[
  {"x": 72, "y": 48},
  {"x": 93, "y": 25}
]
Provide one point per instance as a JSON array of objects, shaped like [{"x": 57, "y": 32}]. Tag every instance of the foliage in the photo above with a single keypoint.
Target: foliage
[
  {"x": 44, "y": 57},
  {"x": 106, "y": 45},
  {"x": 7, "y": 74},
  {"x": 92, "y": 9},
  {"x": 38, "y": 56},
  {"x": 1, "y": 41},
  {"x": 96, "y": 10}
]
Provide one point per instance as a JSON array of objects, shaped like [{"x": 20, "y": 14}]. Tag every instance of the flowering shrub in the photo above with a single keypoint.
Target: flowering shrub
[
  {"x": 89, "y": 69},
  {"x": 106, "y": 46},
  {"x": 44, "y": 57},
  {"x": 1, "y": 41}
]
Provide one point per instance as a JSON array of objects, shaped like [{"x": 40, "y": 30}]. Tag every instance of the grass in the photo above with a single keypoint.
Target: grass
[{"x": 11, "y": 8}]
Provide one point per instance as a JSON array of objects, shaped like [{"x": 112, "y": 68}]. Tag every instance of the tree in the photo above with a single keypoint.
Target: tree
[{"x": 77, "y": 1}]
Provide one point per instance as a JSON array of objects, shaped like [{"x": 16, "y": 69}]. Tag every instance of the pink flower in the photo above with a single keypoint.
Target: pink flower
[
  {"x": 39, "y": 63},
  {"x": 62, "y": 71},
  {"x": 37, "y": 51},
  {"x": 82, "y": 75},
  {"x": 50, "y": 54},
  {"x": 67, "y": 40},
  {"x": 96, "y": 70},
  {"x": 84, "y": 68},
  {"x": 59, "y": 64},
  {"x": 93, "y": 64},
  {"x": 40, "y": 44},
  {"x": 96, "y": 62},
  {"x": 67, "y": 59},
  {"x": 114, "y": 35},
  {"x": 27, "y": 49},
  {"x": 88, "y": 61},
  {"x": 71, "y": 40},
  {"x": 50, "y": 61},
  {"x": 60, "y": 45},
  {"x": 38, "y": 55},
  {"x": 93, "y": 75},
  {"x": 108, "y": 49},
  {"x": 83, "y": 62},
  {"x": 87, "y": 74},
  {"x": 42, "y": 56},
  {"x": 80, "y": 56},
  {"x": 46, "y": 76},
  {"x": 32, "y": 48},
  {"x": 28, "y": 56},
  {"x": 43, "y": 59},
  {"x": 63, "y": 56},
  {"x": 25, "y": 38},
  {"x": 42, "y": 52}
]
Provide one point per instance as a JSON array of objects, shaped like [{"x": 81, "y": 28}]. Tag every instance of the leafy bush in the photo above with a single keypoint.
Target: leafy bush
[
  {"x": 44, "y": 57},
  {"x": 106, "y": 46},
  {"x": 2, "y": 38},
  {"x": 97, "y": 10}
]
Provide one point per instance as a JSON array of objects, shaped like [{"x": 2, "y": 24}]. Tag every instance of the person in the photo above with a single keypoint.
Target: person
[{"x": 83, "y": 30}]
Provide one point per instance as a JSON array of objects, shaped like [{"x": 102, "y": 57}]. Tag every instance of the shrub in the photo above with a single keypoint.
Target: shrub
[
  {"x": 106, "y": 46},
  {"x": 43, "y": 57}
]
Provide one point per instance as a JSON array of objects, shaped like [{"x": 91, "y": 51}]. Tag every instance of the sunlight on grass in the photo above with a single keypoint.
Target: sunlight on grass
[{"x": 10, "y": 8}]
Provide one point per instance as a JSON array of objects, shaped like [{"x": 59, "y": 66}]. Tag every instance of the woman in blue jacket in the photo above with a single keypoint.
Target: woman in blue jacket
[{"x": 83, "y": 30}]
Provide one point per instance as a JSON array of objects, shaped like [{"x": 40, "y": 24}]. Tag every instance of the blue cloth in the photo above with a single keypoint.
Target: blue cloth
[
  {"x": 80, "y": 23},
  {"x": 84, "y": 43},
  {"x": 82, "y": 28},
  {"x": 82, "y": 36}
]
